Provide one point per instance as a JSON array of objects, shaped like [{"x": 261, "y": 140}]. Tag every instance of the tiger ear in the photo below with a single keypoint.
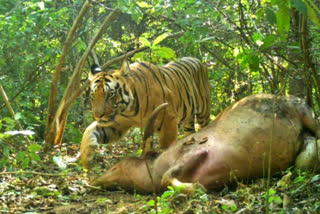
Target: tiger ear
[
  {"x": 124, "y": 70},
  {"x": 94, "y": 70}
]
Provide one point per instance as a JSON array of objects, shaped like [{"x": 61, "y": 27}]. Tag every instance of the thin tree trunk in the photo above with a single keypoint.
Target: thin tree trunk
[
  {"x": 55, "y": 129},
  {"x": 297, "y": 82},
  {"x": 49, "y": 132},
  {"x": 6, "y": 100},
  {"x": 305, "y": 46}
]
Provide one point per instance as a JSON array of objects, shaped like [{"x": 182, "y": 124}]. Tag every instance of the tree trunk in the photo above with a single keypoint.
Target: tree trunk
[
  {"x": 297, "y": 81},
  {"x": 301, "y": 83},
  {"x": 56, "y": 124},
  {"x": 52, "y": 102}
]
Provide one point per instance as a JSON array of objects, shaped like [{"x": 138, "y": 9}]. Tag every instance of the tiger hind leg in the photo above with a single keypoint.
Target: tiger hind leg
[
  {"x": 189, "y": 128},
  {"x": 203, "y": 119},
  {"x": 169, "y": 132}
]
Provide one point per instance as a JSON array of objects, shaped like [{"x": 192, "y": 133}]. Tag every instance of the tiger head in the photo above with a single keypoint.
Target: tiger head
[{"x": 110, "y": 92}]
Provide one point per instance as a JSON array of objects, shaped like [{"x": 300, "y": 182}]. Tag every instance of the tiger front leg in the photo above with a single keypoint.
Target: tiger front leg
[
  {"x": 89, "y": 143},
  {"x": 91, "y": 138}
]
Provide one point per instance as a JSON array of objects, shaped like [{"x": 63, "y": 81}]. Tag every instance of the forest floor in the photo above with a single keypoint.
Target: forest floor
[{"x": 66, "y": 190}]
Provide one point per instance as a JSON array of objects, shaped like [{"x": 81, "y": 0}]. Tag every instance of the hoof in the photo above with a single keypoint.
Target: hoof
[{"x": 191, "y": 188}]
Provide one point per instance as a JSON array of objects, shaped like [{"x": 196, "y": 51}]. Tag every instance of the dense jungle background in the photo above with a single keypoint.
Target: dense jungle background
[{"x": 47, "y": 48}]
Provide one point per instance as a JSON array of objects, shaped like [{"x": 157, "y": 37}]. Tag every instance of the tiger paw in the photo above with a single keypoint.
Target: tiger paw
[{"x": 87, "y": 156}]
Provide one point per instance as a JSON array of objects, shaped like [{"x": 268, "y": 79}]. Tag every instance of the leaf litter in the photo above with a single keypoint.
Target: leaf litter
[{"x": 57, "y": 184}]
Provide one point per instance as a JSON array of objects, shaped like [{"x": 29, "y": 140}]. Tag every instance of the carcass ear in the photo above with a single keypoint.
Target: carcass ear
[
  {"x": 124, "y": 70},
  {"x": 94, "y": 70},
  {"x": 150, "y": 123}
]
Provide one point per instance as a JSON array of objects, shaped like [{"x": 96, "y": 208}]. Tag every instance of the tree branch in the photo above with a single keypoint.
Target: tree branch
[
  {"x": 54, "y": 86},
  {"x": 55, "y": 129},
  {"x": 29, "y": 81},
  {"x": 131, "y": 53},
  {"x": 31, "y": 172},
  {"x": 3, "y": 93}
]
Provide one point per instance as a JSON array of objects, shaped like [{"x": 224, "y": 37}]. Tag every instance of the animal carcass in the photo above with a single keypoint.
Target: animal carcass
[{"x": 236, "y": 145}]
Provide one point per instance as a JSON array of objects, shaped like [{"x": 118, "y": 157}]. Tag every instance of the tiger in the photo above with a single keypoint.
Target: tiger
[{"x": 125, "y": 98}]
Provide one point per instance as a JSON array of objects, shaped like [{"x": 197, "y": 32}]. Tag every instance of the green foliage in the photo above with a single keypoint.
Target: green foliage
[
  {"x": 24, "y": 158},
  {"x": 272, "y": 196},
  {"x": 7, "y": 123},
  {"x": 46, "y": 191},
  {"x": 301, "y": 178},
  {"x": 4, "y": 161},
  {"x": 29, "y": 42},
  {"x": 172, "y": 198},
  {"x": 283, "y": 19},
  {"x": 244, "y": 43},
  {"x": 73, "y": 132},
  {"x": 156, "y": 53},
  {"x": 249, "y": 46},
  {"x": 162, "y": 202},
  {"x": 103, "y": 201},
  {"x": 229, "y": 208},
  {"x": 300, "y": 6},
  {"x": 313, "y": 12},
  {"x": 20, "y": 158}
]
